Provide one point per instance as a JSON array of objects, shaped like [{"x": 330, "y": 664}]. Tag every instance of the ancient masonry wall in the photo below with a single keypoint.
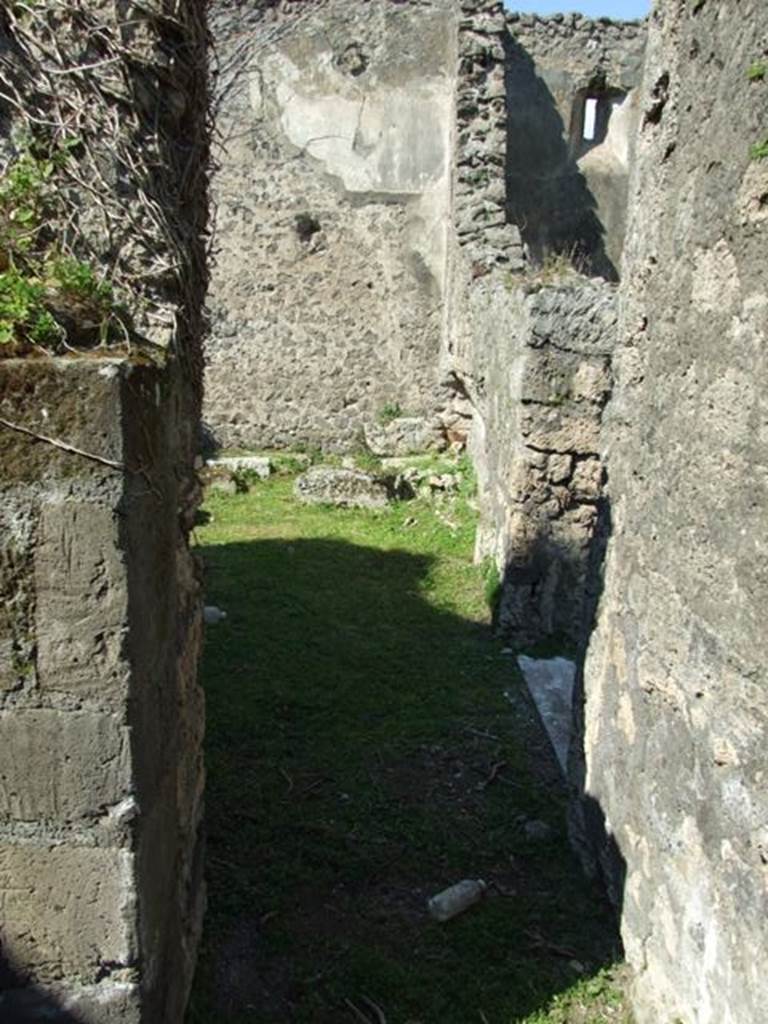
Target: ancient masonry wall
[
  {"x": 675, "y": 690},
  {"x": 569, "y": 77},
  {"x": 531, "y": 335},
  {"x": 101, "y": 717},
  {"x": 333, "y": 216}
]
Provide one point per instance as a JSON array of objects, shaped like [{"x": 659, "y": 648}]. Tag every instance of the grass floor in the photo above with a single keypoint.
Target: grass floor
[{"x": 361, "y": 757}]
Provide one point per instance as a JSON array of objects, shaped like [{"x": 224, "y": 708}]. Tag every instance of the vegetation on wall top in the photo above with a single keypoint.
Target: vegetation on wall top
[
  {"x": 103, "y": 211},
  {"x": 49, "y": 299}
]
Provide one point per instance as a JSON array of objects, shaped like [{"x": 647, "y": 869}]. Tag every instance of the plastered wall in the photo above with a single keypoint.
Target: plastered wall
[{"x": 333, "y": 217}]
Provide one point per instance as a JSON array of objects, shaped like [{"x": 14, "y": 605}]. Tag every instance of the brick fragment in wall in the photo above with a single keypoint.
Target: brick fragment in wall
[{"x": 553, "y": 376}]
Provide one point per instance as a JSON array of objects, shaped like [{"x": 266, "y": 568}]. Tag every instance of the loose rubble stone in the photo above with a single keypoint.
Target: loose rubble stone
[
  {"x": 347, "y": 488},
  {"x": 258, "y": 464}
]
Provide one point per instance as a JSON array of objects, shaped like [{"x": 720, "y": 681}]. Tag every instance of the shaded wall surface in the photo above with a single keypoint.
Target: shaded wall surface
[
  {"x": 567, "y": 193},
  {"x": 675, "y": 688},
  {"x": 333, "y": 198}
]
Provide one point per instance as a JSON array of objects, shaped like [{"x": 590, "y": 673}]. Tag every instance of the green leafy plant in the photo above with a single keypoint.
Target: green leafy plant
[
  {"x": 47, "y": 297},
  {"x": 366, "y": 460},
  {"x": 22, "y": 205},
  {"x": 759, "y": 151},
  {"x": 23, "y": 312},
  {"x": 389, "y": 411},
  {"x": 79, "y": 280},
  {"x": 757, "y": 71}
]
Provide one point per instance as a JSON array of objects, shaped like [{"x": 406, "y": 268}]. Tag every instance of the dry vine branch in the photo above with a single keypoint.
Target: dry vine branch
[
  {"x": 62, "y": 445},
  {"x": 126, "y": 86}
]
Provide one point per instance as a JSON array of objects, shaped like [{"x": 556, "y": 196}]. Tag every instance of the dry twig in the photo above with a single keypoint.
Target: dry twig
[{"x": 62, "y": 445}]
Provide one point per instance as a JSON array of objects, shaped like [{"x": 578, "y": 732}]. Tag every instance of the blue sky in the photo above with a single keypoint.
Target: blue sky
[{"x": 625, "y": 9}]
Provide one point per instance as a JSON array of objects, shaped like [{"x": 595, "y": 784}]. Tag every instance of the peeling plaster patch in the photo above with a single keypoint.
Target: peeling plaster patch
[{"x": 716, "y": 283}]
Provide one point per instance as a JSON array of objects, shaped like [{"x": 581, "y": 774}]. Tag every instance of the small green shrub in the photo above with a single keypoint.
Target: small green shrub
[
  {"x": 79, "y": 280},
  {"x": 47, "y": 297},
  {"x": 759, "y": 151},
  {"x": 23, "y": 312},
  {"x": 757, "y": 71},
  {"x": 390, "y": 411}
]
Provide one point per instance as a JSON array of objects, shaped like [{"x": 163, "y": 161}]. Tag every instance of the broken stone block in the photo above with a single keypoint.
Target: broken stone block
[
  {"x": 554, "y": 428},
  {"x": 346, "y": 488},
  {"x": 588, "y": 478},
  {"x": 559, "y": 468},
  {"x": 258, "y": 464}
]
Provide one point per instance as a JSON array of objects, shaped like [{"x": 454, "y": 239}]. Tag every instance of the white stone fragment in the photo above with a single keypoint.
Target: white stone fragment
[{"x": 550, "y": 683}]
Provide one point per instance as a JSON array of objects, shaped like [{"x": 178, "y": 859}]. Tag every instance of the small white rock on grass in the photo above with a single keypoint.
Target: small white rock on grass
[{"x": 213, "y": 615}]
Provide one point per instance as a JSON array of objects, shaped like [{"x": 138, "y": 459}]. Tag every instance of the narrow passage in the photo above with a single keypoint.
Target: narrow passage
[{"x": 362, "y": 756}]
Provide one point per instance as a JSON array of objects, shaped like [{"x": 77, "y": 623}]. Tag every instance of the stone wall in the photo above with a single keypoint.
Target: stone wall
[
  {"x": 101, "y": 717},
  {"x": 100, "y": 714},
  {"x": 333, "y": 199},
  {"x": 530, "y": 345},
  {"x": 485, "y": 236},
  {"x": 566, "y": 192},
  {"x": 675, "y": 691},
  {"x": 541, "y": 376}
]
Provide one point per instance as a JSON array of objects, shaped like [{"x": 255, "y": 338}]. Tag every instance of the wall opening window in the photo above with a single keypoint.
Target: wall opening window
[{"x": 591, "y": 116}]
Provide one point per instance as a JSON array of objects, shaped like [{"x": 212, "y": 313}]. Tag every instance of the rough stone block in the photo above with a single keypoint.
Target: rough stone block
[
  {"x": 258, "y": 464},
  {"x": 61, "y": 765},
  {"x": 82, "y": 601},
  {"x": 559, "y": 429},
  {"x": 349, "y": 488},
  {"x": 66, "y": 910},
  {"x": 588, "y": 478}
]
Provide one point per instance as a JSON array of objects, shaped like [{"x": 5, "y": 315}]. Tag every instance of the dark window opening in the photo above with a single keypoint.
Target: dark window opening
[{"x": 592, "y": 110}]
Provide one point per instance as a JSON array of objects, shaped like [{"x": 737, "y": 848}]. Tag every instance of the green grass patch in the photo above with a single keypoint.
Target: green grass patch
[{"x": 361, "y": 756}]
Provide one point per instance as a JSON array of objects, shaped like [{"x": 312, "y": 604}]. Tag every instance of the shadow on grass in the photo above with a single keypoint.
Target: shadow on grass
[{"x": 361, "y": 757}]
